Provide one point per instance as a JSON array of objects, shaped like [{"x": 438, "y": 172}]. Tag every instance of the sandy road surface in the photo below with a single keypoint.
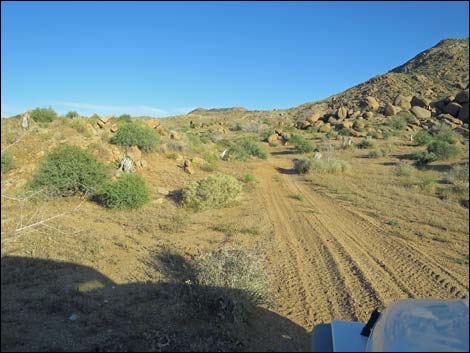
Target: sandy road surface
[{"x": 330, "y": 261}]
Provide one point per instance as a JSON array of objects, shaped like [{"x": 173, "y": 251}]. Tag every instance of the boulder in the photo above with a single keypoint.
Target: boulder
[
  {"x": 314, "y": 117},
  {"x": 450, "y": 118},
  {"x": 462, "y": 96},
  {"x": 135, "y": 153},
  {"x": 391, "y": 110},
  {"x": 305, "y": 125},
  {"x": 187, "y": 167},
  {"x": 462, "y": 131},
  {"x": 453, "y": 108},
  {"x": 420, "y": 112},
  {"x": 403, "y": 102},
  {"x": 272, "y": 139},
  {"x": 319, "y": 123},
  {"x": 114, "y": 128},
  {"x": 463, "y": 113},
  {"x": 325, "y": 128},
  {"x": 419, "y": 102},
  {"x": 371, "y": 103},
  {"x": 101, "y": 124},
  {"x": 143, "y": 163},
  {"x": 368, "y": 115},
  {"x": 174, "y": 135},
  {"x": 153, "y": 123},
  {"x": 355, "y": 115},
  {"x": 347, "y": 124},
  {"x": 332, "y": 120},
  {"x": 359, "y": 124},
  {"x": 342, "y": 113},
  {"x": 105, "y": 119}
]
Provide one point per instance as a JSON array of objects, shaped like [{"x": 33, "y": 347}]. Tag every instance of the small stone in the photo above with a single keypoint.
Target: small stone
[{"x": 74, "y": 317}]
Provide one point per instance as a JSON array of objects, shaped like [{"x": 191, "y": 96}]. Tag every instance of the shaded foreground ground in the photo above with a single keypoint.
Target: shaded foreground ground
[{"x": 327, "y": 259}]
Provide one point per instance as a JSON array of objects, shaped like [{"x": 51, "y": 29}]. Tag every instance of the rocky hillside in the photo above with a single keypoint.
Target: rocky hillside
[{"x": 432, "y": 75}]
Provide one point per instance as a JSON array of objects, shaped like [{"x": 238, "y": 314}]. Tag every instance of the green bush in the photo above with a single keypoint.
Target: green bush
[
  {"x": 381, "y": 152},
  {"x": 404, "y": 170},
  {"x": 43, "y": 115},
  {"x": 266, "y": 133},
  {"x": 443, "y": 150},
  {"x": 446, "y": 134},
  {"x": 244, "y": 149},
  {"x": 248, "y": 178},
  {"x": 424, "y": 157},
  {"x": 69, "y": 170},
  {"x": 398, "y": 123},
  {"x": 132, "y": 134},
  {"x": 303, "y": 165},
  {"x": 7, "y": 161},
  {"x": 331, "y": 166},
  {"x": 72, "y": 115},
  {"x": 215, "y": 191},
  {"x": 367, "y": 143},
  {"x": 422, "y": 138},
  {"x": 211, "y": 162},
  {"x": 458, "y": 174},
  {"x": 302, "y": 145},
  {"x": 129, "y": 191}
]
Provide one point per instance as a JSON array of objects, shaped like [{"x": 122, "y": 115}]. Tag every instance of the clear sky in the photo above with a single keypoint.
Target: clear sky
[{"x": 166, "y": 58}]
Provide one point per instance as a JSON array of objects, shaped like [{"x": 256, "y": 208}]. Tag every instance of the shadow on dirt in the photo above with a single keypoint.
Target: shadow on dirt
[
  {"x": 286, "y": 171},
  {"x": 58, "y": 306}
]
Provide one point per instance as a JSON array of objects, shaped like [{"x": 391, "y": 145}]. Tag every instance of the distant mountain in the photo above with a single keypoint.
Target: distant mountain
[
  {"x": 218, "y": 110},
  {"x": 434, "y": 74}
]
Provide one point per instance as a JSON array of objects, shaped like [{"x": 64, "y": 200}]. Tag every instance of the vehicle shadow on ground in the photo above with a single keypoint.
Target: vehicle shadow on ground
[{"x": 58, "y": 306}]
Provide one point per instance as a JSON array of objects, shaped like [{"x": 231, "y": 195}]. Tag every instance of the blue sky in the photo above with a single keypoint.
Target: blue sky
[{"x": 159, "y": 59}]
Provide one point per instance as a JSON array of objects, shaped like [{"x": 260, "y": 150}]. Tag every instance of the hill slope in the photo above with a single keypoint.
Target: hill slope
[{"x": 433, "y": 74}]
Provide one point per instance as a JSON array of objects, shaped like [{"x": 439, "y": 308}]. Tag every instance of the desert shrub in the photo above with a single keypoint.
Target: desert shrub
[
  {"x": 124, "y": 117},
  {"x": 331, "y": 166},
  {"x": 233, "y": 278},
  {"x": 443, "y": 150},
  {"x": 244, "y": 149},
  {"x": 211, "y": 162},
  {"x": 344, "y": 132},
  {"x": 424, "y": 157},
  {"x": 129, "y": 191},
  {"x": 445, "y": 133},
  {"x": 248, "y": 178},
  {"x": 7, "y": 161},
  {"x": 367, "y": 143},
  {"x": 302, "y": 145},
  {"x": 378, "y": 153},
  {"x": 43, "y": 115},
  {"x": 266, "y": 133},
  {"x": 236, "y": 127},
  {"x": 458, "y": 174},
  {"x": 398, "y": 123},
  {"x": 78, "y": 125},
  {"x": 132, "y": 134},
  {"x": 303, "y": 165},
  {"x": 427, "y": 182},
  {"x": 69, "y": 170},
  {"x": 212, "y": 192},
  {"x": 408, "y": 117},
  {"x": 331, "y": 134},
  {"x": 404, "y": 170},
  {"x": 422, "y": 138},
  {"x": 72, "y": 115}
]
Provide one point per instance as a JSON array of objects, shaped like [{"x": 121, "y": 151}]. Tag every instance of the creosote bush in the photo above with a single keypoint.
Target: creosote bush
[
  {"x": 69, "y": 170},
  {"x": 443, "y": 150},
  {"x": 302, "y": 145},
  {"x": 7, "y": 161},
  {"x": 404, "y": 170},
  {"x": 422, "y": 138},
  {"x": 132, "y": 134},
  {"x": 332, "y": 166},
  {"x": 215, "y": 191},
  {"x": 43, "y": 115},
  {"x": 129, "y": 191},
  {"x": 424, "y": 157},
  {"x": 367, "y": 143},
  {"x": 245, "y": 148}
]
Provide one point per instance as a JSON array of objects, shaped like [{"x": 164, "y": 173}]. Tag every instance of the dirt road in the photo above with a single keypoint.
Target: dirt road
[{"x": 330, "y": 261}]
